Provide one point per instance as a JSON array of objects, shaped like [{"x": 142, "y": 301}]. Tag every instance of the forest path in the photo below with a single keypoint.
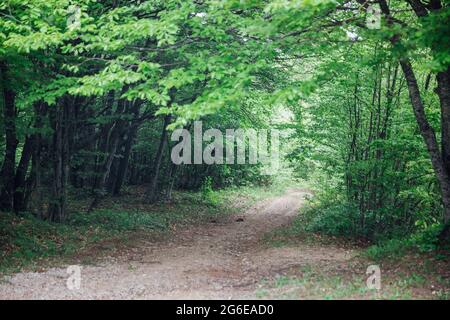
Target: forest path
[{"x": 223, "y": 259}]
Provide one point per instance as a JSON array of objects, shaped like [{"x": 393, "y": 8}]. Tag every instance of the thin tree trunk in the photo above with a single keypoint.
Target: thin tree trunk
[
  {"x": 21, "y": 174},
  {"x": 152, "y": 190},
  {"x": 101, "y": 191},
  {"x": 112, "y": 145},
  {"x": 57, "y": 210},
  {"x": 123, "y": 164},
  {"x": 104, "y": 139},
  {"x": 40, "y": 110},
  {"x": 8, "y": 167},
  {"x": 57, "y": 203}
]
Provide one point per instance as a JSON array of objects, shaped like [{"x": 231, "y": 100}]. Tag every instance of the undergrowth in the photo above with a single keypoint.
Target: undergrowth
[{"x": 26, "y": 240}]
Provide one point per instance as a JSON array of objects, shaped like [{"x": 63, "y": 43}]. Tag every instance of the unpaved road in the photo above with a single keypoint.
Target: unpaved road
[{"x": 224, "y": 259}]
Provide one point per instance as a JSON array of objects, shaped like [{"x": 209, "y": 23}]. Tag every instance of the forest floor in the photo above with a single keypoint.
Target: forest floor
[{"x": 238, "y": 256}]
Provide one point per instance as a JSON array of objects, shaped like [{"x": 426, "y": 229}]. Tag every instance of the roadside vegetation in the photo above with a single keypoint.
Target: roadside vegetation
[{"x": 412, "y": 267}]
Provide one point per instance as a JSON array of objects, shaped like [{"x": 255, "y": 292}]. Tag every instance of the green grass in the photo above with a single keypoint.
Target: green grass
[
  {"x": 423, "y": 241},
  {"x": 313, "y": 283},
  {"x": 391, "y": 249},
  {"x": 410, "y": 267}
]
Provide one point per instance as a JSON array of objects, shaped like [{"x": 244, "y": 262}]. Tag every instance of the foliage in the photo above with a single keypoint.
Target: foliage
[{"x": 26, "y": 239}]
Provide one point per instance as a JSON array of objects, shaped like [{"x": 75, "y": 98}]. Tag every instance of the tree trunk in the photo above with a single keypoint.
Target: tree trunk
[
  {"x": 8, "y": 167},
  {"x": 152, "y": 190},
  {"x": 61, "y": 156},
  {"x": 40, "y": 111},
  {"x": 21, "y": 174},
  {"x": 172, "y": 177},
  {"x": 104, "y": 140},
  {"x": 443, "y": 90},
  {"x": 123, "y": 164},
  {"x": 57, "y": 203},
  {"x": 437, "y": 156},
  {"x": 101, "y": 191},
  {"x": 429, "y": 137},
  {"x": 112, "y": 145}
]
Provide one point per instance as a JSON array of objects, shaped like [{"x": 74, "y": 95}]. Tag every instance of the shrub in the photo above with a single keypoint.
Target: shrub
[
  {"x": 336, "y": 220},
  {"x": 208, "y": 194}
]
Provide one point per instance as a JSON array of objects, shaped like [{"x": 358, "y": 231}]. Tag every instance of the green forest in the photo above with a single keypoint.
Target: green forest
[{"x": 91, "y": 93}]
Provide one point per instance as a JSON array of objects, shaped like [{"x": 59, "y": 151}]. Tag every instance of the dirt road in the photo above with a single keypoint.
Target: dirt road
[{"x": 224, "y": 259}]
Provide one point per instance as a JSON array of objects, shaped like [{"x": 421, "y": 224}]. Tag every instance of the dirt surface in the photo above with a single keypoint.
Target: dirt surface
[{"x": 223, "y": 259}]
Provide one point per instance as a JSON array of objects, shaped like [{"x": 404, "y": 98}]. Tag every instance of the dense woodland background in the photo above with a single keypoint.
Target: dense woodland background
[{"x": 90, "y": 91}]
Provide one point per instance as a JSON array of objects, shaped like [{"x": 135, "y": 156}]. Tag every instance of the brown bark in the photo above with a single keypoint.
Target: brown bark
[
  {"x": 57, "y": 210},
  {"x": 8, "y": 167},
  {"x": 123, "y": 164},
  {"x": 21, "y": 174},
  {"x": 429, "y": 137},
  {"x": 57, "y": 203},
  {"x": 127, "y": 141},
  {"x": 152, "y": 189},
  {"x": 112, "y": 144},
  {"x": 443, "y": 90},
  {"x": 40, "y": 111}
]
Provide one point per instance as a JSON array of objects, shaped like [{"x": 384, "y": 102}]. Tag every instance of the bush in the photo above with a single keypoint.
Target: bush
[
  {"x": 428, "y": 239},
  {"x": 393, "y": 248},
  {"x": 208, "y": 194},
  {"x": 392, "y": 233},
  {"x": 425, "y": 240},
  {"x": 336, "y": 220}
]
